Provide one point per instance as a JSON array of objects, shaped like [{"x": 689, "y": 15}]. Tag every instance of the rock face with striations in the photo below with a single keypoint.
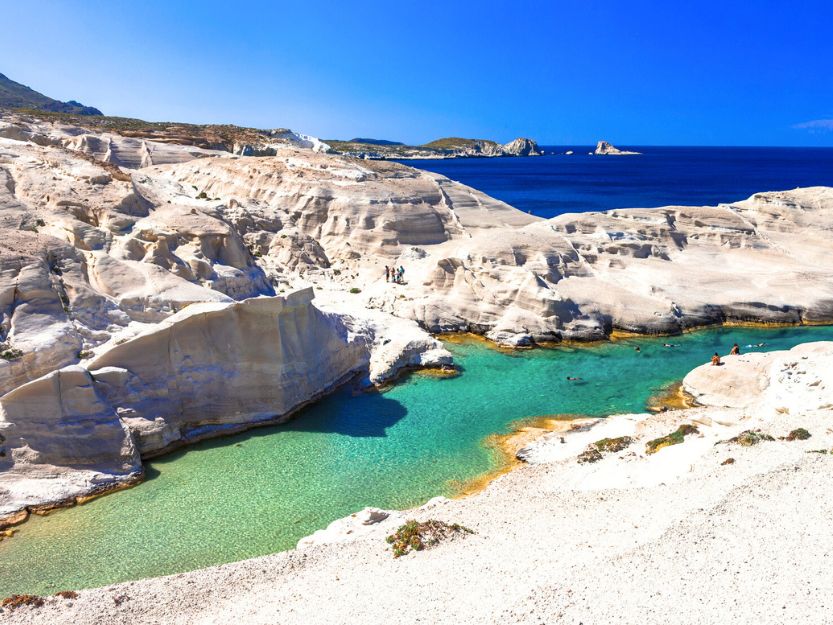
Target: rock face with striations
[
  {"x": 212, "y": 368},
  {"x": 522, "y": 147}
]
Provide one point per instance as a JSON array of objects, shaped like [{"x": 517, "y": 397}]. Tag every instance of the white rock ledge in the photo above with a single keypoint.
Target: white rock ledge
[{"x": 209, "y": 370}]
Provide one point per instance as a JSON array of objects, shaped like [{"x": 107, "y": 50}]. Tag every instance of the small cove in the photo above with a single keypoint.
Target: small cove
[{"x": 259, "y": 492}]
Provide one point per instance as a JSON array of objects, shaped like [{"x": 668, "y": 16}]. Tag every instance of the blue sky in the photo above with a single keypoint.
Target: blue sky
[{"x": 563, "y": 72}]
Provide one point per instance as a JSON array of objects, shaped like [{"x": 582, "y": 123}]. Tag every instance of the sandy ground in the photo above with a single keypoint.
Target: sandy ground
[{"x": 688, "y": 540}]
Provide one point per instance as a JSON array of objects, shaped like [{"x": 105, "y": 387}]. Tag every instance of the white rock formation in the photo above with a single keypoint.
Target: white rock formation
[
  {"x": 603, "y": 148},
  {"x": 522, "y": 147},
  {"x": 212, "y": 368},
  {"x": 99, "y": 259},
  {"x": 774, "y": 383}
]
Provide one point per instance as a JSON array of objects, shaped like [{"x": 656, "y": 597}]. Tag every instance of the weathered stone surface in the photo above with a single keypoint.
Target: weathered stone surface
[
  {"x": 781, "y": 382},
  {"x": 212, "y": 368}
]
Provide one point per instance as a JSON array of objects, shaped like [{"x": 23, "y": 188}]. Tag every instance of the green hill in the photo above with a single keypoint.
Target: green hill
[
  {"x": 14, "y": 95},
  {"x": 458, "y": 143}
]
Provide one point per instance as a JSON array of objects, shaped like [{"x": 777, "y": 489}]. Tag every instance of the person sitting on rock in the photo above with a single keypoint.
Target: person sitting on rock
[
  {"x": 716, "y": 360},
  {"x": 735, "y": 350}
]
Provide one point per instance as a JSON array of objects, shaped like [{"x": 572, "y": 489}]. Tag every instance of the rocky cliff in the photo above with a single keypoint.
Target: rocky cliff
[{"x": 212, "y": 368}]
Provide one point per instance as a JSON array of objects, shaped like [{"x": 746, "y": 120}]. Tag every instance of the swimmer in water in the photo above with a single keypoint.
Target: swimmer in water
[{"x": 572, "y": 379}]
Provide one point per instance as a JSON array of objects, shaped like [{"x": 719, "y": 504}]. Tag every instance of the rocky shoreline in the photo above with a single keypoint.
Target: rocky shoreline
[
  {"x": 705, "y": 499},
  {"x": 154, "y": 291}
]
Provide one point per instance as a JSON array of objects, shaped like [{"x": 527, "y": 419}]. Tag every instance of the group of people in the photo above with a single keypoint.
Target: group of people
[
  {"x": 735, "y": 351},
  {"x": 716, "y": 362},
  {"x": 392, "y": 274}
]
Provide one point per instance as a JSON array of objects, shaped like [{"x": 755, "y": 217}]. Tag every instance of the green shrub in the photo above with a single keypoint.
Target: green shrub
[
  {"x": 10, "y": 353},
  {"x": 594, "y": 451},
  {"x": 748, "y": 438},
  {"x": 675, "y": 438},
  {"x": 799, "y": 434},
  {"x": 355, "y": 290},
  {"x": 416, "y": 536}
]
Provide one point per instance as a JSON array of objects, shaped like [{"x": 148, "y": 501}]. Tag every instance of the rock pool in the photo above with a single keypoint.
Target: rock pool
[{"x": 259, "y": 492}]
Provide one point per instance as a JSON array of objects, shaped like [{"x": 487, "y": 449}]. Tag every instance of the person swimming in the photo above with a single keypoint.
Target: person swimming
[{"x": 572, "y": 379}]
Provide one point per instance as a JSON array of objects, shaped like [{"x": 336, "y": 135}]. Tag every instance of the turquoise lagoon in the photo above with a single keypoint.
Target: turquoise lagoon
[{"x": 259, "y": 492}]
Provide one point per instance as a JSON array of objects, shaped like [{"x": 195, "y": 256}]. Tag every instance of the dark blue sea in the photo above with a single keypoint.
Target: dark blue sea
[{"x": 556, "y": 183}]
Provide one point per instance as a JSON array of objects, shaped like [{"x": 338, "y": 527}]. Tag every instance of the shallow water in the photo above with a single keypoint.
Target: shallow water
[{"x": 259, "y": 492}]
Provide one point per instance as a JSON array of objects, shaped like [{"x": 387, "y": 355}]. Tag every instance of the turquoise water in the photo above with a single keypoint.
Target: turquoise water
[{"x": 259, "y": 492}]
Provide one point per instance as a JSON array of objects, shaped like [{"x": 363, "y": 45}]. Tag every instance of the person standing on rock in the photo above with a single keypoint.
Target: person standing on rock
[
  {"x": 401, "y": 273},
  {"x": 387, "y": 273}
]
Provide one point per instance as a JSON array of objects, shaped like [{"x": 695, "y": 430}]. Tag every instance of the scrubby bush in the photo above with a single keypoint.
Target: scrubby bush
[
  {"x": 416, "y": 536},
  {"x": 799, "y": 434},
  {"x": 16, "y": 601},
  {"x": 749, "y": 438},
  {"x": 8, "y": 352},
  {"x": 67, "y": 594},
  {"x": 675, "y": 438},
  {"x": 594, "y": 451},
  {"x": 355, "y": 290}
]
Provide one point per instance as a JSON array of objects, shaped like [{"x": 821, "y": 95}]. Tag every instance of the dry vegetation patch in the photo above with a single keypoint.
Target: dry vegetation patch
[
  {"x": 749, "y": 438},
  {"x": 675, "y": 438},
  {"x": 594, "y": 451},
  {"x": 799, "y": 434},
  {"x": 419, "y": 535},
  {"x": 17, "y": 601}
]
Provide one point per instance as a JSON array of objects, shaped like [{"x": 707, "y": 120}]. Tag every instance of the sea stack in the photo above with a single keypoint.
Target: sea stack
[
  {"x": 603, "y": 148},
  {"x": 522, "y": 147}
]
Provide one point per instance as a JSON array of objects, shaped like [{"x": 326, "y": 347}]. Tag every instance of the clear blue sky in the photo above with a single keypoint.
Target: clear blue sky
[{"x": 633, "y": 72}]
